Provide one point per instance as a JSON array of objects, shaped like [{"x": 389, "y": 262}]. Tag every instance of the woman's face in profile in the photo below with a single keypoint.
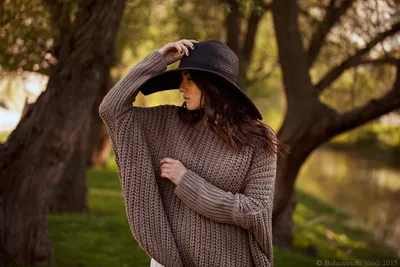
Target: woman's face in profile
[{"x": 190, "y": 91}]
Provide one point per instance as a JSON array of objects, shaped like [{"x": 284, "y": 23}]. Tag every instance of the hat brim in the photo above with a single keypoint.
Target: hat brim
[{"x": 172, "y": 79}]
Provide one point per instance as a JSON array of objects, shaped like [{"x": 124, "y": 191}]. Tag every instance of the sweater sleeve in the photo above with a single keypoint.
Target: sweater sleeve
[
  {"x": 121, "y": 96},
  {"x": 251, "y": 210}
]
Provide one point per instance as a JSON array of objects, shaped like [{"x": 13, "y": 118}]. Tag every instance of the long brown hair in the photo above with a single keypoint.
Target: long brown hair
[{"x": 229, "y": 117}]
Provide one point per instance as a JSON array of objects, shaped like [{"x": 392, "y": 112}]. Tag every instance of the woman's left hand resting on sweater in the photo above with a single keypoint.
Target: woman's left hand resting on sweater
[{"x": 172, "y": 169}]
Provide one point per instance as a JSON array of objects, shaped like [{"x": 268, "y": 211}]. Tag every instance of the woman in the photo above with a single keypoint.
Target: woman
[{"x": 198, "y": 180}]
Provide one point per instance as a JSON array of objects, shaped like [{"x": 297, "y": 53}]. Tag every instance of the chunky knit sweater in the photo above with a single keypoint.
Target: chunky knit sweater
[{"x": 220, "y": 212}]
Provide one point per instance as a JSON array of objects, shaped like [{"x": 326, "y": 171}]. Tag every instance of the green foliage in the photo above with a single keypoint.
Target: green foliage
[{"x": 26, "y": 34}]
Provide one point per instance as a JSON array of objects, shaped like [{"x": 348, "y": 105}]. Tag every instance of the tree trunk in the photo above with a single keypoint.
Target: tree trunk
[
  {"x": 98, "y": 141},
  {"x": 92, "y": 150},
  {"x": 300, "y": 128},
  {"x": 70, "y": 194},
  {"x": 38, "y": 150},
  {"x": 301, "y": 142},
  {"x": 282, "y": 224}
]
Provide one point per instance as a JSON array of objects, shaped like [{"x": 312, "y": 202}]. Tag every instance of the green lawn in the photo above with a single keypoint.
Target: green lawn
[{"x": 103, "y": 238}]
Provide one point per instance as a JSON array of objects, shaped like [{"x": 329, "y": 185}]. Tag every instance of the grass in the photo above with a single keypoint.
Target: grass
[
  {"x": 100, "y": 238},
  {"x": 103, "y": 238}
]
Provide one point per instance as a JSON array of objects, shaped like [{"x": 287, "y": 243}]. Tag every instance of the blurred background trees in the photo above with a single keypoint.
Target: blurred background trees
[
  {"x": 321, "y": 72},
  {"x": 42, "y": 159}
]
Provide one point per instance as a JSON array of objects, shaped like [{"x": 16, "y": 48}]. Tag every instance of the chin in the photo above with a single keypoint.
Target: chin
[{"x": 190, "y": 107}]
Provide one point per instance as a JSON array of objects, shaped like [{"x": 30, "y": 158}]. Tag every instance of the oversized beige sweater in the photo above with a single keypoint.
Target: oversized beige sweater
[{"x": 220, "y": 212}]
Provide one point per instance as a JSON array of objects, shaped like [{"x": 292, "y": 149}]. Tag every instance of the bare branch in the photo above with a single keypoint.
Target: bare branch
[
  {"x": 232, "y": 24},
  {"x": 386, "y": 60},
  {"x": 331, "y": 18},
  {"x": 353, "y": 60},
  {"x": 252, "y": 26},
  {"x": 372, "y": 110}
]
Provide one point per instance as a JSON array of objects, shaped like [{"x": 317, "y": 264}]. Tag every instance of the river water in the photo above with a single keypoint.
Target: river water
[{"x": 365, "y": 188}]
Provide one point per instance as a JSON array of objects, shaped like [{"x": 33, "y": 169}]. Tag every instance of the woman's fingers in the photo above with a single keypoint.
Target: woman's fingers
[
  {"x": 184, "y": 48},
  {"x": 178, "y": 47},
  {"x": 190, "y": 43},
  {"x": 187, "y": 43},
  {"x": 181, "y": 46}
]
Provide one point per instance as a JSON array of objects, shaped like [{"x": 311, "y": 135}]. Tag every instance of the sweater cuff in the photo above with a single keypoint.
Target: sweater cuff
[
  {"x": 187, "y": 185},
  {"x": 156, "y": 55},
  {"x": 207, "y": 199}
]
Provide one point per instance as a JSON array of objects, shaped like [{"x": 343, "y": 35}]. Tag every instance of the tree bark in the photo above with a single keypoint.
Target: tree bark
[
  {"x": 92, "y": 150},
  {"x": 233, "y": 23},
  {"x": 98, "y": 141},
  {"x": 303, "y": 111},
  {"x": 38, "y": 150},
  {"x": 70, "y": 193}
]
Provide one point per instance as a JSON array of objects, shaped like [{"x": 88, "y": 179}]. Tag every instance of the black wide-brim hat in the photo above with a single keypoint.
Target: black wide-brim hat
[{"x": 210, "y": 56}]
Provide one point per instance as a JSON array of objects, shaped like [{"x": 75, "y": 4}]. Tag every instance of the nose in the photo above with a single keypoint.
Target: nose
[{"x": 181, "y": 87}]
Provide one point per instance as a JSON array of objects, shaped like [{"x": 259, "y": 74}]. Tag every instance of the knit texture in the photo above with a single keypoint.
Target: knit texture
[{"x": 220, "y": 212}]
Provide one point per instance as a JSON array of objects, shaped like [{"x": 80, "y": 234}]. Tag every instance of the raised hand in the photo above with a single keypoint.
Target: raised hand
[{"x": 174, "y": 51}]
